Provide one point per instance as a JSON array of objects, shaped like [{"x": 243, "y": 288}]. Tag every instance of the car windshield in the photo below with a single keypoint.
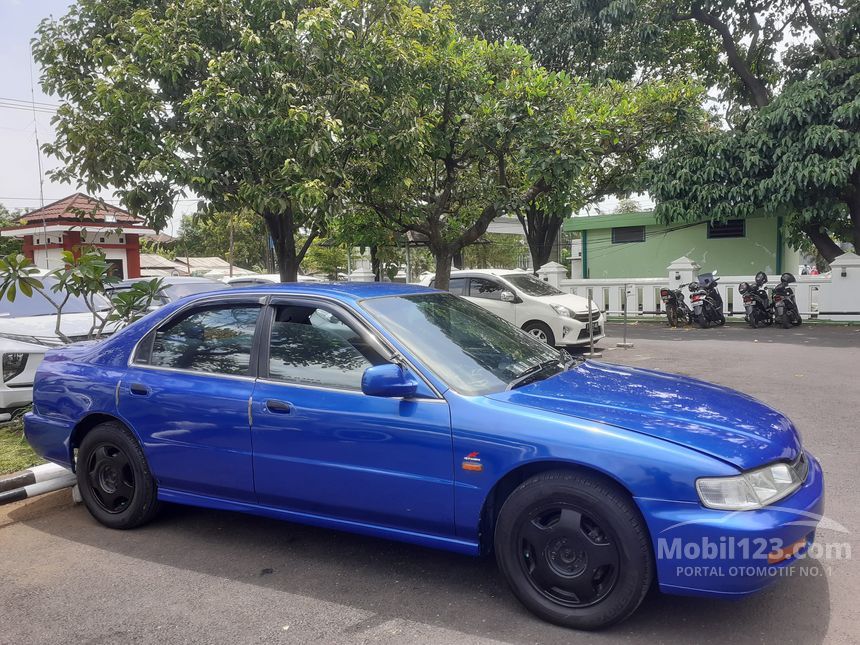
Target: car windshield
[
  {"x": 531, "y": 285},
  {"x": 473, "y": 351},
  {"x": 182, "y": 289},
  {"x": 38, "y": 305}
]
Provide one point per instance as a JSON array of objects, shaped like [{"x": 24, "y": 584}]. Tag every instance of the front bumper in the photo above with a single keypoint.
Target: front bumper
[
  {"x": 706, "y": 552},
  {"x": 570, "y": 332},
  {"x": 15, "y": 397}
]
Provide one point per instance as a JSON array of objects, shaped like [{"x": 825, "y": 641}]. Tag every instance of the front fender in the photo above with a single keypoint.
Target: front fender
[{"x": 493, "y": 438}]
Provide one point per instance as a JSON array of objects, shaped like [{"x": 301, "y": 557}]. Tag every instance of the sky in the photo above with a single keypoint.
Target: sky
[{"x": 19, "y": 170}]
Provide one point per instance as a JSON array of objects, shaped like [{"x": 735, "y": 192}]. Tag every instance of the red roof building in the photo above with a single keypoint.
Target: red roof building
[{"x": 76, "y": 221}]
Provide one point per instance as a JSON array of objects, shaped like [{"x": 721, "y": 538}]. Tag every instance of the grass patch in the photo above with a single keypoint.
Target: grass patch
[{"x": 15, "y": 453}]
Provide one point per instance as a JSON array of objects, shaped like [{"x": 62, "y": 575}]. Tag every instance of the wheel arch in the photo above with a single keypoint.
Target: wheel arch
[
  {"x": 86, "y": 424},
  {"x": 506, "y": 485}
]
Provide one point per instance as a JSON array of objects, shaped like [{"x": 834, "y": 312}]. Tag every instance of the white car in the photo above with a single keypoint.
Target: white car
[
  {"x": 18, "y": 363},
  {"x": 560, "y": 319},
  {"x": 265, "y": 278}
]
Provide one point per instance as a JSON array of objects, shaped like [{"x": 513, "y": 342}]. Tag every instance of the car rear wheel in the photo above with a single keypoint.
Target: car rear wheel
[
  {"x": 540, "y": 331},
  {"x": 114, "y": 478},
  {"x": 574, "y": 550}
]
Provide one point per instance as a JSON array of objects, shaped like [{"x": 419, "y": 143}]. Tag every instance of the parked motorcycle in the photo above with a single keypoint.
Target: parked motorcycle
[
  {"x": 759, "y": 311},
  {"x": 706, "y": 300},
  {"x": 676, "y": 307},
  {"x": 784, "y": 305}
]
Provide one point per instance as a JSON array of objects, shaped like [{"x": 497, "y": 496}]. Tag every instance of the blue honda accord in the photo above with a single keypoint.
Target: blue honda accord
[{"x": 408, "y": 413}]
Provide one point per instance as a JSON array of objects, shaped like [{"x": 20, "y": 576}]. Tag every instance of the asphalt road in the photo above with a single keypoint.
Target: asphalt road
[{"x": 203, "y": 576}]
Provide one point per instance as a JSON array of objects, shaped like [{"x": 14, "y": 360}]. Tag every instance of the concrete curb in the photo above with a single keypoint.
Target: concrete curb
[
  {"x": 29, "y": 509},
  {"x": 32, "y": 475},
  {"x": 35, "y": 481}
]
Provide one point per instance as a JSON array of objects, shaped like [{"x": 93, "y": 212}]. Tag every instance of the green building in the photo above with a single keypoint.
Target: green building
[{"x": 636, "y": 245}]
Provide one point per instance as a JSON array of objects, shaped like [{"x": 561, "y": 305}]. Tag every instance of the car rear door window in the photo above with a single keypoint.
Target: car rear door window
[
  {"x": 215, "y": 340},
  {"x": 312, "y": 346},
  {"x": 482, "y": 288}
]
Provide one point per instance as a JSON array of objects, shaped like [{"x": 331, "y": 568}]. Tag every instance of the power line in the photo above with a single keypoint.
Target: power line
[{"x": 27, "y": 102}]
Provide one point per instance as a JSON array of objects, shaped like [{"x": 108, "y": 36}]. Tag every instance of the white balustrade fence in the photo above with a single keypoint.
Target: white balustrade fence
[{"x": 826, "y": 297}]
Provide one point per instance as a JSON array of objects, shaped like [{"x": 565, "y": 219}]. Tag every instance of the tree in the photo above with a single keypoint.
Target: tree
[
  {"x": 619, "y": 126},
  {"x": 249, "y": 104},
  {"x": 87, "y": 275},
  {"x": 209, "y": 235},
  {"x": 8, "y": 245},
  {"x": 793, "y": 149},
  {"x": 748, "y": 52}
]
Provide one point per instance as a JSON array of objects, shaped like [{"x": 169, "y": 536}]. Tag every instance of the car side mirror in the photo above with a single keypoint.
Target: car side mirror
[
  {"x": 387, "y": 380},
  {"x": 508, "y": 296}
]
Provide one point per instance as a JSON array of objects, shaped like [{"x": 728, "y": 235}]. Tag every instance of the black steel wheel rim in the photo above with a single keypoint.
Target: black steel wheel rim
[
  {"x": 110, "y": 477},
  {"x": 568, "y": 554}
]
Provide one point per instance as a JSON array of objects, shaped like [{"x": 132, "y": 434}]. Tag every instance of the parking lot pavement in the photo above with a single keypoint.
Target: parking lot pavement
[{"x": 202, "y": 576}]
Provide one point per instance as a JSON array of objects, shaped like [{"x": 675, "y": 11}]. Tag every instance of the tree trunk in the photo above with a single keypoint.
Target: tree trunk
[
  {"x": 829, "y": 249},
  {"x": 854, "y": 213},
  {"x": 375, "y": 264},
  {"x": 280, "y": 227},
  {"x": 443, "y": 269},
  {"x": 541, "y": 230}
]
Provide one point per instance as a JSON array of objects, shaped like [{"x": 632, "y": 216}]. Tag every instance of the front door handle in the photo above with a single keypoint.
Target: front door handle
[
  {"x": 138, "y": 390},
  {"x": 278, "y": 407}
]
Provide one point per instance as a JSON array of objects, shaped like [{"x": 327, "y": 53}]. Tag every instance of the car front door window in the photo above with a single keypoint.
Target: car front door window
[
  {"x": 482, "y": 288},
  {"x": 311, "y": 346}
]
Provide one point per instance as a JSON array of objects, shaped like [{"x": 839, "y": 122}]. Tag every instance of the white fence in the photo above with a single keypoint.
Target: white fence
[{"x": 831, "y": 297}]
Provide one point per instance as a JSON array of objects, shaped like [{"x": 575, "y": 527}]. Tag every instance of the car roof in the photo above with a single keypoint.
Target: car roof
[
  {"x": 168, "y": 280},
  {"x": 494, "y": 272},
  {"x": 340, "y": 290}
]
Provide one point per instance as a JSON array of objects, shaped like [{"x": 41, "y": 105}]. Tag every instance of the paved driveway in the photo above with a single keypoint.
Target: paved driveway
[{"x": 205, "y": 576}]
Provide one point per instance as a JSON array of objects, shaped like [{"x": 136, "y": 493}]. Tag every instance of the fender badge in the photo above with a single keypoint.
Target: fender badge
[{"x": 472, "y": 462}]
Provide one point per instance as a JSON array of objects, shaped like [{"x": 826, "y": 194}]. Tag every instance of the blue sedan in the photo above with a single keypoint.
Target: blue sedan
[{"x": 412, "y": 414}]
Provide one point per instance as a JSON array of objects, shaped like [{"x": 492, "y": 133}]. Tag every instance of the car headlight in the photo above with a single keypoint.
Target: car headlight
[
  {"x": 13, "y": 365},
  {"x": 561, "y": 310},
  {"x": 754, "y": 489}
]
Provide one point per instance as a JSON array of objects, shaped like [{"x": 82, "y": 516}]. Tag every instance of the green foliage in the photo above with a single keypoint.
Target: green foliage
[
  {"x": 498, "y": 252},
  {"x": 131, "y": 304},
  {"x": 206, "y": 235},
  {"x": 86, "y": 275},
  {"x": 798, "y": 157},
  {"x": 8, "y": 245},
  {"x": 250, "y": 104}
]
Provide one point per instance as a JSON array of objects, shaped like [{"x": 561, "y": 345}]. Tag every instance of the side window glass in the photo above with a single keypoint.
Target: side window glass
[
  {"x": 210, "y": 340},
  {"x": 312, "y": 346},
  {"x": 481, "y": 288},
  {"x": 457, "y": 286}
]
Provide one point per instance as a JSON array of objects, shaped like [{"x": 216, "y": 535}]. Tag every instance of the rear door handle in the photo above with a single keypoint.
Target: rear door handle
[
  {"x": 278, "y": 407},
  {"x": 138, "y": 389}
]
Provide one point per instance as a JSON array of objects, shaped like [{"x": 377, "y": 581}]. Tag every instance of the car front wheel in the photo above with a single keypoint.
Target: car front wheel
[
  {"x": 114, "y": 478},
  {"x": 574, "y": 550},
  {"x": 541, "y": 331}
]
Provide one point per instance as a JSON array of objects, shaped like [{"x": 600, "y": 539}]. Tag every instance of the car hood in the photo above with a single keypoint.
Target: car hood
[
  {"x": 577, "y": 304},
  {"x": 714, "y": 420},
  {"x": 41, "y": 328}
]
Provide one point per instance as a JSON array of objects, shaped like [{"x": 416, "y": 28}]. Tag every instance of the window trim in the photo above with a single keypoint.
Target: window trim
[
  {"x": 710, "y": 225},
  {"x": 640, "y": 226}
]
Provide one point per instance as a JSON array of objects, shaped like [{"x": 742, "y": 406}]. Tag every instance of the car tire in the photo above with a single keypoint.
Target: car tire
[
  {"x": 574, "y": 550},
  {"x": 540, "y": 331},
  {"x": 114, "y": 479}
]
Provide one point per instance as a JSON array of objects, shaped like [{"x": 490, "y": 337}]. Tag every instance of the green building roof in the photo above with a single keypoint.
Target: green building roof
[{"x": 641, "y": 218}]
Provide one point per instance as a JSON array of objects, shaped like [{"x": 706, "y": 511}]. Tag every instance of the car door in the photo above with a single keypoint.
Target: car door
[
  {"x": 488, "y": 294},
  {"x": 321, "y": 446},
  {"x": 187, "y": 393}
]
